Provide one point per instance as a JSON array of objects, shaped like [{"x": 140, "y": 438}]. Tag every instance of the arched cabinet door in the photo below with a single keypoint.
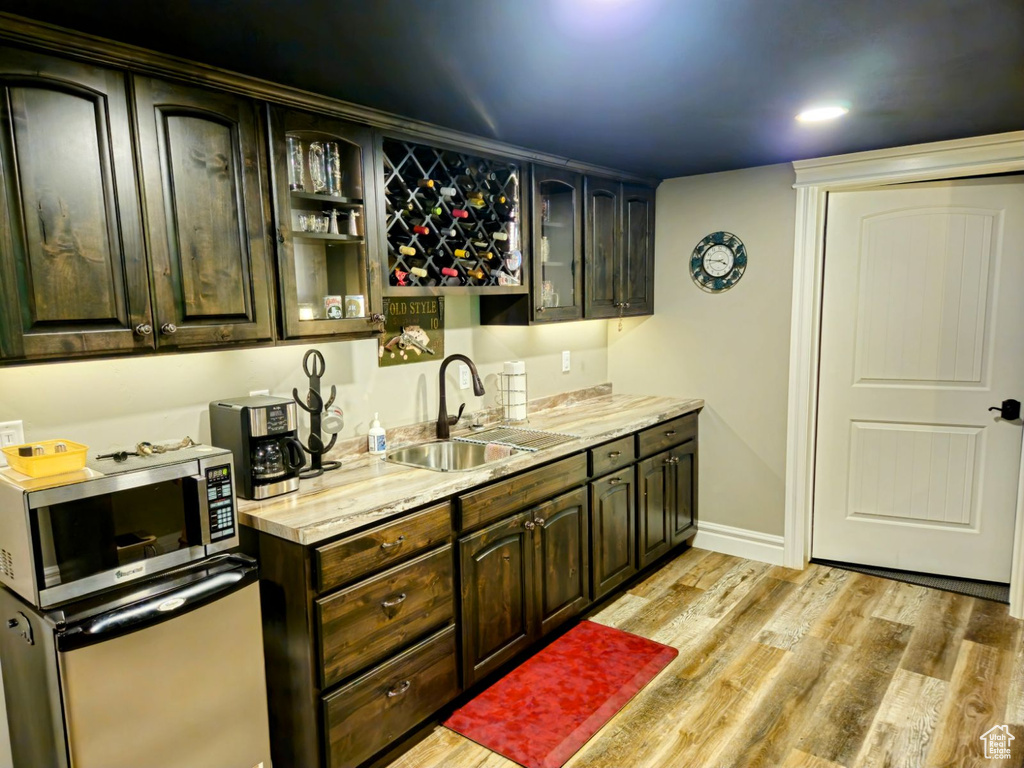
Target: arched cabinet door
[
  {"x": 202, "y": 182},
  {"x": 637, "y": 250},
  {"x": 497, "y": 576},
  {"x": 603, "y": 248},
  {"x": 613, "y": 530},
  {"x": 73, "y": 277},
  {"x": 563, "y": 558},
  {"x": 558, "y": 245}
]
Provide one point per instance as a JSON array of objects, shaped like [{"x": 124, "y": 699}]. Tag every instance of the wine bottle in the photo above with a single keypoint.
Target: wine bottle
[
  {"x": 447, "y": 191},
  {"x": 460, "y": 213},
  {"x": 418, "y": 271},
  {"x": 425, "y": 183},
  {"x": 449, "y": 272},
  {"x": 407, "y": 250},
  {"x": 477, "y": 273},
  {"x": 461, "y": 253},
  {"x": 419, "y": 229}
]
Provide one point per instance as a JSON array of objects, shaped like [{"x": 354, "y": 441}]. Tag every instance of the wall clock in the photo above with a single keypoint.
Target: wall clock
[{"x": 718, "y": 262}]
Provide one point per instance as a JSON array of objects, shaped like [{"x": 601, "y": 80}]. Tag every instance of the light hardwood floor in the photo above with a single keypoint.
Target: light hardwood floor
[{"x": 819, "y": 668}]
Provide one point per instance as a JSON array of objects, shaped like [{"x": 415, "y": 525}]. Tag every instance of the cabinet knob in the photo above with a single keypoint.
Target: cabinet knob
[
  {"x": 399, "y": 689},
  {"x": 540, "y": 521},
  {"x": 376, "y": 317},
  {"x": 144, "y": 329},
  {"x": 675, "y": 459},
  {"x": 168, "y": 328},
  {"x": 627, "y": 305},
  {"x": 668, "y": 460},
  {"x": 541, "y": 309},
  {"x": 392, "y": 602},
  {"x": 529, "y": 525}
]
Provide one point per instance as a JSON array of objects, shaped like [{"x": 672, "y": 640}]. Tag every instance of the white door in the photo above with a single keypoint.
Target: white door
[{"x": 922, "y": 332}]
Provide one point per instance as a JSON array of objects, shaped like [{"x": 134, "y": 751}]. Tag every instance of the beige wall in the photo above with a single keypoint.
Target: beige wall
[
  {"x": 108, "y": 403},
  {"x": 732, "y": 349}
]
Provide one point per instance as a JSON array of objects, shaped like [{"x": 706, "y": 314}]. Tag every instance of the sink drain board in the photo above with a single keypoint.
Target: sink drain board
[{"x": 524, "y": 439}]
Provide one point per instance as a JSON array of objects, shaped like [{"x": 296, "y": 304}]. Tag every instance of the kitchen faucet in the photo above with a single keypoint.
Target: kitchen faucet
[{"x": 444, "y": 421}]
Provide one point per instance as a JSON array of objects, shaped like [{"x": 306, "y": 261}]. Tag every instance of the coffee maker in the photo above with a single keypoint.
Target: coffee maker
[{"x": 261, "y": 432}]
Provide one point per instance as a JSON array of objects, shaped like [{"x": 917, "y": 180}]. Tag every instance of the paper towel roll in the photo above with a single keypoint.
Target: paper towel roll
[{"x": 515, "y": 389}]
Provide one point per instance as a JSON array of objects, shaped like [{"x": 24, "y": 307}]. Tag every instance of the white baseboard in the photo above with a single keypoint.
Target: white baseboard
[{"x": 739, "y": 542}]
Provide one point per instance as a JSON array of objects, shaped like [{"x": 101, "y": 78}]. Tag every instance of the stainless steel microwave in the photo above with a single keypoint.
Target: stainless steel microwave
[{"x": 69, "y": 536}]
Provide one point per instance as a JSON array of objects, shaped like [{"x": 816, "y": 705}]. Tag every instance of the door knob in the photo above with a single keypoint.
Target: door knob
[{"x": 1009, "y": 410}]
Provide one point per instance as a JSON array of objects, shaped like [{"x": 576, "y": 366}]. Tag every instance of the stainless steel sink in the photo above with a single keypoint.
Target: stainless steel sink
[{"x": 446, "y": 455}]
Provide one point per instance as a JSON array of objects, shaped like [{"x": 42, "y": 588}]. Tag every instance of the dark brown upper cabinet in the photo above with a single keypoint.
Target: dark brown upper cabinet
[
  {"x": 199, "y": 153},
  {"x": 73, "y": 277},
  {"x": 618, "y": 249},
  {"x": 558, "y": 244},
  {"x": 330, "y": 283}
]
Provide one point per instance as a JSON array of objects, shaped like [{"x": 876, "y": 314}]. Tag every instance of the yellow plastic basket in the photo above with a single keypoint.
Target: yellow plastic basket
[{"x": 49, "y": 462}]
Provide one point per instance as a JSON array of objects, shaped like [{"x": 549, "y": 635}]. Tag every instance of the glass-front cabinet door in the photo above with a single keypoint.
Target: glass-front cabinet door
[
  {"x": 329, "y": 284},
  {"x": 557, "y": 243}
]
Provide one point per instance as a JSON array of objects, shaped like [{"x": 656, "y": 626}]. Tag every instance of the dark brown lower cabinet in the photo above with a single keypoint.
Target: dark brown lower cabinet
[
  {"x": 368, "y": 714},
  {"x": 521, "y": 578},
  {"x": 654, "y": 506},
  {"x": 498, "y": 614},
  {"x": 563, "y": 558},
  {"x": 683, "y": 516},
  {"x": 613, "y": 529}
]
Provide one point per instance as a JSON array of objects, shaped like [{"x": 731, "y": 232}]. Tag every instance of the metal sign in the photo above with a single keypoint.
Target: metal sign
[{"x": 413, "y": 330}]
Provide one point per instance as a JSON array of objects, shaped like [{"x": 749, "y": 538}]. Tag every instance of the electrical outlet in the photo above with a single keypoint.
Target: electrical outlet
[
  {"x": 566, "y": 363},
  {"x": 11, "y": 433},
  {"x": 258, "y": 392},
  {"x": 463, "y": 376}
]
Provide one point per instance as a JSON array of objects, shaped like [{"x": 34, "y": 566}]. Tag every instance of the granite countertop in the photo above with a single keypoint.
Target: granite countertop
[{"x": 369, "y": 490}]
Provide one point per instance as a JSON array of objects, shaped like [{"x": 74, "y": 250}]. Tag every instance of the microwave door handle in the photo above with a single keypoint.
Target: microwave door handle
[{"x": 205, "y": 536}]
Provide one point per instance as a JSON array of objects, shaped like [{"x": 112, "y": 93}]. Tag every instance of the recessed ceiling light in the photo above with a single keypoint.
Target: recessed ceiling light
[{"x": 817, "y": 114}]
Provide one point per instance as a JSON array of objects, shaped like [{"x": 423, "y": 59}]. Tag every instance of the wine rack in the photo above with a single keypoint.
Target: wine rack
[{"x": 451, "y": 219}]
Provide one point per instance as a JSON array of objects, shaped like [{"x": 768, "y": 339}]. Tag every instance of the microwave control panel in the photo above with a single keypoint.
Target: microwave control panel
[{"x": 220, "y": 502}]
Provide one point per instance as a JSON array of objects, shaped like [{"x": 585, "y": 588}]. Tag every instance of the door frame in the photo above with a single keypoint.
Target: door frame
[{"x": 815, "y": 179}]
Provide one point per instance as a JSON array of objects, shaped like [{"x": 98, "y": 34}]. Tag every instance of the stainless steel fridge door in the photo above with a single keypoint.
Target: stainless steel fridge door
[{"x": 188, "y": 692}]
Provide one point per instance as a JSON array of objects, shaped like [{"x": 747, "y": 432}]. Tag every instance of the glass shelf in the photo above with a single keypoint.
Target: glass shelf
[
  {"x": 328, "y": 236},
  {"x": 336, "y": 200}
]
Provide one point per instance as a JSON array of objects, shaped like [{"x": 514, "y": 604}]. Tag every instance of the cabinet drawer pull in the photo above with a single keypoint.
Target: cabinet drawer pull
[
  {"x": 614, "y": 455},
  {"x": 399, "y": 689},
  {"x": 396, "y": 543},
  {"x": 392, "y": 602},
  {"x": 614, "y": 480},
  {"x": 670, "y": 433}
]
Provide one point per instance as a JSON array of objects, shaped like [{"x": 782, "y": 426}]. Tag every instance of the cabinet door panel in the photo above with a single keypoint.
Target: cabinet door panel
[
  {"x": 201, "y": 174},
  {"x": 638, "y": 250},
  {"x": 562, "y": 558},
  {"x": 497, "y": 595},
  {"x": 602, "y": 245},
  {"x": 613, "y": 530},
  {"x": 557, "y": 281},
  {"x": 73, "y": 266},
  {"x": 656, "y": 507},
  {"x": 684, "y": 512}
]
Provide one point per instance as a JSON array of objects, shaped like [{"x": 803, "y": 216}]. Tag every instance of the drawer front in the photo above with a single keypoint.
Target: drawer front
[
  {"x": 369, "y": 713},
  {"x": 666, "y": 435},
  {"x": 517, "y": 493},
  {"x": 349, "y": 559},
  {"x": 365, "y": 623},
  {"x": 612, "y": 456}
]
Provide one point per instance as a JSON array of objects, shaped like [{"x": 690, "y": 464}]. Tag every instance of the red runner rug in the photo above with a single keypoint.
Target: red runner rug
[{"x": 544, "y": 710}]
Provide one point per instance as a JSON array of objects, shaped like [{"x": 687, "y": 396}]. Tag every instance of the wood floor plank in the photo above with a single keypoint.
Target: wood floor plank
[
  {"x": 712, "y": 719},
  {"x": 657, "y": 612},
  {"x": 794, "y": 620},
  {"x": 618, "y": 611},
  {"x": 717, "y": 601},
  {"x": 844, "y": 716},
  {"x": 781, "y": 572},
  {"x": 710, "y": 570},
  {"x": 1015, "y": 689},
  {"x": 902, "y": 729},
  {"x": 673, "y": 571},
  {"x": 975, "y": 703},
  {"x": 935, "y": 644},
  {"x": 902, "y": 603},
  {"x": 844, "y": 617},
  {"x": 770, "y": 730},
  {"x": 990, "y": 624},
  {"x": 798, "y": 759}
]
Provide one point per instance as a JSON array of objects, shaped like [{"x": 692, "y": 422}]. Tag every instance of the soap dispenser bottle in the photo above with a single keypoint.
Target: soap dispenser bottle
[{"x": 376, "y": 439}]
